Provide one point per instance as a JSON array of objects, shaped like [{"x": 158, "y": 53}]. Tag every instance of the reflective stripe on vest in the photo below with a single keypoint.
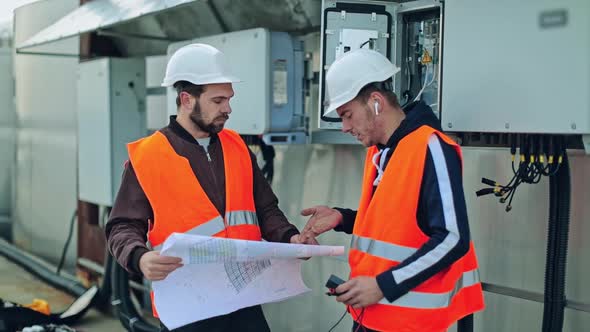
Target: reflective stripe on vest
[
  {"x": 381, "y": 249},
  {"x": 235, "y": 218},
  {"x": 208, "y": 228},
  {"x": 434, "y": 300},
  {"x": 216, "y": 224}
]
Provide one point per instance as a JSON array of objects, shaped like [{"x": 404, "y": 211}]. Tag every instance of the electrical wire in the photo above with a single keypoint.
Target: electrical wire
[
  {"x": 67, "y": 243},
  {"x": 426, "y": 84},
  {"x": 360, "y": 322},
  {"x": 338, "y": 322},
  {"x": 531, "y": 165}
]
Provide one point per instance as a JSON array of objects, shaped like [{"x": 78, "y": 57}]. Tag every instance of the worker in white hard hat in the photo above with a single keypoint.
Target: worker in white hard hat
[
  {"x": 413, "y": 266},
  {"x": 194, "y": 177}
]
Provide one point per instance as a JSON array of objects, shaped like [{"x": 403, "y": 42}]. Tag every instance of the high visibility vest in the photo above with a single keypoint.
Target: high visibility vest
[
  {"x": 386, "y": 232},
  {"x": 178, "y": 201}
]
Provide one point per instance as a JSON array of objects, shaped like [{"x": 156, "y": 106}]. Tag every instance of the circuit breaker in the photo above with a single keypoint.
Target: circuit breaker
[
  {"x": 407, "y": 33},
  {"x": 111, "y": 113}
]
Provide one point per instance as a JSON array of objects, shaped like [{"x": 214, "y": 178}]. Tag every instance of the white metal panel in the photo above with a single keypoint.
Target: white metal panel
[
  {"x": 111, "y": 99},
  {"x": 127, "y": 112},
  {"x": 248, "y": 54},
  {"x": 516, "y": 66},
  {"x": 156, "y": 108},
  {"x": 155, "y": 70},
  {"x": 94, "y": 132},
  {"x": 156, "y": 115},
  {"x": 98, "y": 14}
]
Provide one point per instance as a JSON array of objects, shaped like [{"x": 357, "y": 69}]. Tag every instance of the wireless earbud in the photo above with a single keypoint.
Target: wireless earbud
[{"x": 376, "y": 107}]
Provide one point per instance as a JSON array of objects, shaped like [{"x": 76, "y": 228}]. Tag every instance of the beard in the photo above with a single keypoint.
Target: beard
[{"x": 196, "y": 117}]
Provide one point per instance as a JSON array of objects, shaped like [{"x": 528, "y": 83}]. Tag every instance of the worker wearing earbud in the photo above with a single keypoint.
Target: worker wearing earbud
[{"x": 413, "y": 266}]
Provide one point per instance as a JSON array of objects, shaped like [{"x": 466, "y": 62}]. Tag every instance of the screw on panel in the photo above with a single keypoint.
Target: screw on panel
[
  {"x": 573, "y": 126},
  {"x": 450, "y": 125},
  {"x": 507, "y": 125}
]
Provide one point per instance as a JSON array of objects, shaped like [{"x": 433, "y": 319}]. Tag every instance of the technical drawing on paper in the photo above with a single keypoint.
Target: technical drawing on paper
[
  {"x": 257, "y": 272},
  {"x": 240, "y": 274},
  {"x": 213, "y": 251}
]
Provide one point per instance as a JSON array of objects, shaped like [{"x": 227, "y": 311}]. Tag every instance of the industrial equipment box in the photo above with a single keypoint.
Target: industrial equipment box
[
  {"x": 270, "y": 64},
  {"x": 522, "y": 68},
  {"x": 111, "y": 113}
]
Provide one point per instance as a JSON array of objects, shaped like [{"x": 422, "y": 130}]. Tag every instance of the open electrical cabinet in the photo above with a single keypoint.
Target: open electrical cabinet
[{"x": 407, "y": 33}]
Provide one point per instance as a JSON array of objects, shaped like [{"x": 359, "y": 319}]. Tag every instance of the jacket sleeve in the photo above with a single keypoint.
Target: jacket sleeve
[
  {"x": 347, "y": 224},
  {"x": 126, "y": 230},
  {"x": 273, "y": 224},
  {"x": 442, "y": 215}
]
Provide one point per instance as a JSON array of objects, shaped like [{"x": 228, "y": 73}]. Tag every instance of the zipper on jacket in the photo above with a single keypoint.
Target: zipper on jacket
[{"x": 210, "y": 162}]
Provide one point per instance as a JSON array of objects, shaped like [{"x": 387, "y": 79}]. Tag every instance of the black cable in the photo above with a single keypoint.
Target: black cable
[
  {"x": 67, "y": 244},
  {"x": 531, "y": 165},
  {"x": 365, "y": 43},
  {"x": 361, "y": 316},
  {"x": 465, "y": 324},
  {"x": 268, "y": 155},
  {"x": 557, "y": 245},
  {"x": 338, "y": 322},
  {"x": 122, "y": 304}
]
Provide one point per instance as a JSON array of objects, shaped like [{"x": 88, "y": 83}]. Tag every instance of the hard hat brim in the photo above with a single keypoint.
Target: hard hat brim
[
  {"x": 331, "y": 113},
  {"x": 217, "y": 80}
]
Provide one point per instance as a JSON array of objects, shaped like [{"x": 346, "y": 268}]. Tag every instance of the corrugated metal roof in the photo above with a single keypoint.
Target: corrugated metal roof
[
  {"x": 132, "y": 24},
  {"x": 98, "y": 14}
]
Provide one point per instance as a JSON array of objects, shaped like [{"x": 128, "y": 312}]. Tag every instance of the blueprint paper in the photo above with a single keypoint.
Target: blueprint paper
[{"x": 220, "y": 276}]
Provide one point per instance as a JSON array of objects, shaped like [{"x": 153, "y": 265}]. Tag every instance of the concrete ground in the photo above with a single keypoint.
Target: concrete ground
[{"x": 19, "y": 286}]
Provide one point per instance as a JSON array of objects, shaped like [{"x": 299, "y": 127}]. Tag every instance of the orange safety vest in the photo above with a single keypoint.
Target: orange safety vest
[
  {"x": 386, "y": 232},
  {"x": 178, "y": 201}
]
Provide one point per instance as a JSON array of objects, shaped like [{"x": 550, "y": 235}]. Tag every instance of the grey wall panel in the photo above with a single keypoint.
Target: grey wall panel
[
  {"x": 509, "y": 314},
  {"x": 578, "y": 269},
  {"x": 7, "y": 123},
  {"x": 23, "y": 193},
  {"x": 576, "y": 321},
  {"x": 46, "y": 140},
  {"x": 521, "y": 233},
  {"x": 54, "y": 192},
  {"x": 307, "y": 176},
  {"x": 7, "y": 155}
]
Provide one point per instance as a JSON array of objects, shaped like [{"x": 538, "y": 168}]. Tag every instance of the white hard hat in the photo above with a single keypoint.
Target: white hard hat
[
  {"x": 199, "y": 64},
  {"x": 350, "y": 73}
]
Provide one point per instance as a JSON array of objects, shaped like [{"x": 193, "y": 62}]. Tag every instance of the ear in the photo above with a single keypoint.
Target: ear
[
  {"x": 376, "y": 100},
  {"x": 186, "y": 99}
]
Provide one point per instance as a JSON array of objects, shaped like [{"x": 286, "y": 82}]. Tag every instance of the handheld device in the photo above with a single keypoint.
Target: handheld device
[{"x": 332, "y": 283}]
